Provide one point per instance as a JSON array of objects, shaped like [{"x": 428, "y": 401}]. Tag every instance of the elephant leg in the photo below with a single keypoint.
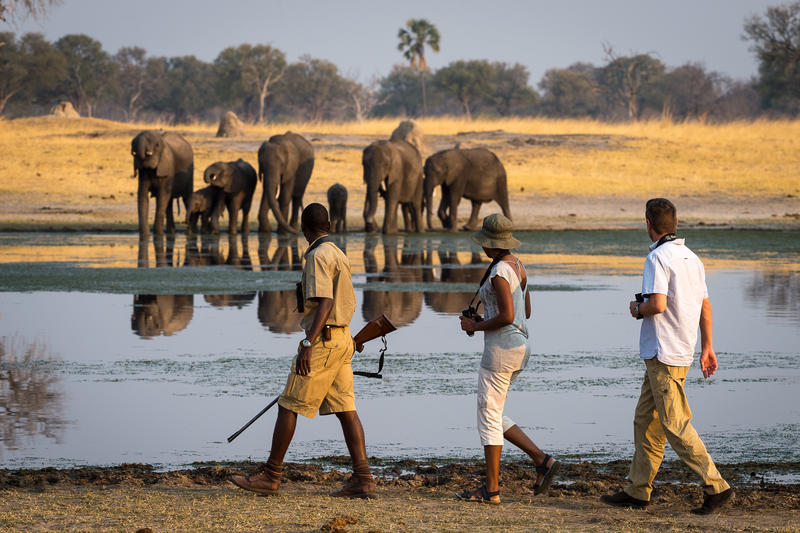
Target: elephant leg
[
  {"x": 170, "y": 216},
  {"x": 143, "y": 261},
  {"x": 263, "y": 215},
  {"x": 502, "y": 201},
  {"x": 163, "y": 199},
  {"x": 159, "y": 245},
  {"x": 390, "y": 215},
  {"x": 472, "y": 225},
  {"x": 453, "y": 200},
  {"x": 297, "y": 205},
  {"x": 216, "y": 212},
  {"x": 143, "y": 203},
  {"x": 246, "y": 216},
  {"x": 233, "y": 215},
  {"x": 406, "y": 210}
]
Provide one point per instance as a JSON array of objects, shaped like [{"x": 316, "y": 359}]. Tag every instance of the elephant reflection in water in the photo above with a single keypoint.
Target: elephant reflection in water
[
  {"x": 164, "y": 247},
  {"x": 241, "y": 261},
  {"x": 779, "y": 289},
  {"x": 161, "y": 314},
  {"x": 277, "y": 310},
  {"x": 401, "y": 307},
  {"x": 452, "y": 272},
  {"x": 30, "y": 400}
]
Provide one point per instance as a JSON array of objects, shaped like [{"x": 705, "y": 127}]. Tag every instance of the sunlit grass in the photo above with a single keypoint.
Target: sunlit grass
[{"x": 68, "y": 170}]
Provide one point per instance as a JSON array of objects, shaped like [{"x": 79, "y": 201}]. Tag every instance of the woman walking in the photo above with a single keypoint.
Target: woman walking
[{"x": 506, "y": 350}]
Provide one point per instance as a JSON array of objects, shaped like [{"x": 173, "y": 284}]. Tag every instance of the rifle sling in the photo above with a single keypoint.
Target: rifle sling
[{"x": 298, "y": 291}]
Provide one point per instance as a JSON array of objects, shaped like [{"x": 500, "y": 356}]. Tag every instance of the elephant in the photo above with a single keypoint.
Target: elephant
[
  {"x": 401, "y": 307},
  {"x": 475, "y": 173},
  {"x": 237, "y": 181},
  {"x": 203, "y": 206},
  {"x": 285, "y": 163},
  {"x": 337, "y": 207},
  {"x": 397, "y": 165},
  {"x": 277, "y": 310},
  {"x": 164, "y": 164},
  {"x": 161, "y": 314},
  {"x": 452, "y": 272}
]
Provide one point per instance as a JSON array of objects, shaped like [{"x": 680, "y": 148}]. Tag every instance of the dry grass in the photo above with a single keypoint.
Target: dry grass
[
  {"x": 307, "y": 508},
  {"x": 79, "y": 170}
]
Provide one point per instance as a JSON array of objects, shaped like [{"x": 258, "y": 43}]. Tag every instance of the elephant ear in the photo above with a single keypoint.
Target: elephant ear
[{"x": 166, "y": 163}]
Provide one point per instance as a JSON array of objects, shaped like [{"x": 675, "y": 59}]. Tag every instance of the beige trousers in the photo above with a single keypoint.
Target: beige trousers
[{"x": 663, "y": 414}]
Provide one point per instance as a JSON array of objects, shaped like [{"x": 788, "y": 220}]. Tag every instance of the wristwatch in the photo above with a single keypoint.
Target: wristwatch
[
  {"x": 306, "y": 343},
  {"x": 636, "y": 309}
]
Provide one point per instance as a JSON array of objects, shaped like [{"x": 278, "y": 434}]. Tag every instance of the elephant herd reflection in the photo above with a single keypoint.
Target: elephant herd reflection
[{"x": 397, "y": 287}]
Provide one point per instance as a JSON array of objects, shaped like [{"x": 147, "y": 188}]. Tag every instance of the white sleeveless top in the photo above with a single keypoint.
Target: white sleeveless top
[{"x": 505, "y": 349}]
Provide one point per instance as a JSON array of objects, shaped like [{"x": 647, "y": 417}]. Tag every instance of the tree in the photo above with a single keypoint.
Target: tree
[
  {"x": 249, "y": 70},
  {"x": 12, "y": 71},
  {"x": 466, "y": 81},
  {"x": 90, "y": 71},
  {"x": 364, "y": 97},
  {"x": 398, "y": 93},
  {"x": 689, "y": 91},
  {"x": 189, "y": 90},
  {"x": 313, "y": 88},
  {"x": 509, "y": 87},
  {"x": 30, "y": 68},
  {"x": 414, "y": 38},
  {"x": 570, "y": 92},
  {"x": 132, "y": 64},
  {"x": 776, "y": 42},
  {"x": 624, "y": 78},
  {"x": 19, "y": 10}
]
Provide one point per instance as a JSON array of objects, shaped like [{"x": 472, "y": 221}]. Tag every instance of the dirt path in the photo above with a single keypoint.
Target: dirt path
[{"x": 416, "y": 497}]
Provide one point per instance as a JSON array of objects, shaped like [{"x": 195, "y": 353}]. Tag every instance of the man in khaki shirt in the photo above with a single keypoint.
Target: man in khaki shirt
[{"x": 321, "y": 378}]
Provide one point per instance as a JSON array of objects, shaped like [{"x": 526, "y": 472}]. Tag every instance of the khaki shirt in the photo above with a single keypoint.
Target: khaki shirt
[{"x": 327, "y": 275}]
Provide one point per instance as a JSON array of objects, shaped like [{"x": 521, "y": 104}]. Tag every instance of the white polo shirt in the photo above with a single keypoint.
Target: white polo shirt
[{"x": 674, "y": 270}]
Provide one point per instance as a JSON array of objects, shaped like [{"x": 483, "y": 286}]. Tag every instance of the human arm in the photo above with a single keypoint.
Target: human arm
[
  {"x": 321, "y": 313},
  {"x": 708, "y": 359},
  {"x": 656, "y": 303},
  {"x": 505, "y": 305}
]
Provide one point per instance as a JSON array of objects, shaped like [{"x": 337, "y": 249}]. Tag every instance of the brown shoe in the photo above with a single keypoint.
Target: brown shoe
[
  {"x": 712, "y": 502},
  {"x": 356, "y": 487},
  {"x": 262, "y": 482},
  {"x": 623, "y": 499}
]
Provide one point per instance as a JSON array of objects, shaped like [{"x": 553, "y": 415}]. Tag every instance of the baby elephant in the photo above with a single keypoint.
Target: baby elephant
[
  {"x": 337, "y": 207},
  {"x": 202, "y": 205},
  {"x": 237, "y": 181}
]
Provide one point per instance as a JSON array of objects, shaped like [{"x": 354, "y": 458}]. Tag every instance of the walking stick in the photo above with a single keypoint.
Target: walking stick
[{"x": 375, "y": 328}]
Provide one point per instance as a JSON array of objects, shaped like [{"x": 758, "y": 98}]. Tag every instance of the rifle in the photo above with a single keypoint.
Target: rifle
[{"x": 377, "y": 327}]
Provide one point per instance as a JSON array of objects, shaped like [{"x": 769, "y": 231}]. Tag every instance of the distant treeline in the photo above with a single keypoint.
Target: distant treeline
[{"x": 257, "y": 83}]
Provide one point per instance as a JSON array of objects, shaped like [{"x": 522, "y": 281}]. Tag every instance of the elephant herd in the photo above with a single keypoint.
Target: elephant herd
[
  {"x": 155, "y": 315},
  {"x": 393, "y": 170}
]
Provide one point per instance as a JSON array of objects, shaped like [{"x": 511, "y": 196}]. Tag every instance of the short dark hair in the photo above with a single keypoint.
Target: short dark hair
[
  {"x": 315, "y": 218},
  {"x": 662, "y": 215}
]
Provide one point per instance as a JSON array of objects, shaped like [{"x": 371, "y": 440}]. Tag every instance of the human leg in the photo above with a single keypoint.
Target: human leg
[
  {"x": 546, "y": 465},
  {"x": 676, "y": 416}
]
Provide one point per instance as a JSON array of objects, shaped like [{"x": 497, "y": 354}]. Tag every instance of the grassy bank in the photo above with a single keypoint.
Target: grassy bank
[
  {"x": 58, "y": 172},
  {"x": 414, "y": 497}
]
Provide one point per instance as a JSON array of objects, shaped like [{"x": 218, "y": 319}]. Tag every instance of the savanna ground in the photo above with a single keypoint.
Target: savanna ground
[
  {"x": 76, "y": 173},
  {"x": 411, "y": 497}
]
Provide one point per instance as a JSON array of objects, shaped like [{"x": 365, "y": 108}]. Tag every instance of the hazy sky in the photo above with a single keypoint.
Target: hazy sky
[{"x": 360, "y": 36}]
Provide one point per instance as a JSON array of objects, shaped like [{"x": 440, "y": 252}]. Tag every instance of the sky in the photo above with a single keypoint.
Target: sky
[{"x": 360, "y": 36}]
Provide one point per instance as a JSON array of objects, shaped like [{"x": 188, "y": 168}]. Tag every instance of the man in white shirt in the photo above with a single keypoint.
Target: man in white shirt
[{"x": 675, "y": 302}]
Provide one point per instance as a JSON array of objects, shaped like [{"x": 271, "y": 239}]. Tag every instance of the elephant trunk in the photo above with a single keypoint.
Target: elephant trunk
[
  {"x": 427, "y": 200},
  {"x": 370, "y": 207}
]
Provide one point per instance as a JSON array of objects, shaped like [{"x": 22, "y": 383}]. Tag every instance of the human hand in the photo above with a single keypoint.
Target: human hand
[
  {"x": 708, "y": 362},
  {"x": 303, "y": 362},
  {"x": 467, "y": 324},
  {"x": 632, "y": 306}
]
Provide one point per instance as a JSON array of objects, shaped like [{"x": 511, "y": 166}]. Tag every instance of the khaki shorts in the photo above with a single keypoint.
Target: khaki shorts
[{"x": 328, "y": 387}]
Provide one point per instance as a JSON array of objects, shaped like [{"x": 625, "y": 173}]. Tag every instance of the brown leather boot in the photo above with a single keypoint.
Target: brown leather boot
[
  {"x": 357, "y": 487},
  {"x": 266, "y": 480}
]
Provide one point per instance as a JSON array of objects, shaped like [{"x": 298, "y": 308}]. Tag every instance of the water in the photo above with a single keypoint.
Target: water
[{"x": 110, "y": 356}]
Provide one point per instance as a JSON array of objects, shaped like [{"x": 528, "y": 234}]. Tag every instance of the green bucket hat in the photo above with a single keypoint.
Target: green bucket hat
[{"x": 496, "y": 233}]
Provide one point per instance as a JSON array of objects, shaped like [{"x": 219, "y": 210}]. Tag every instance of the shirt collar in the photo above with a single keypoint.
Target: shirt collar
[
  {"x": 654, "y": 245},
  {"x": 311, "y": 244}
]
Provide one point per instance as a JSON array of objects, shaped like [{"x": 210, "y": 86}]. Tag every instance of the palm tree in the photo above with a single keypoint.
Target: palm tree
[{"x": 418, "y": 34}]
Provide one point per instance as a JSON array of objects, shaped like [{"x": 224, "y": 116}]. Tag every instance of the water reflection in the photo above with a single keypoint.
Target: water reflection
[
  {"x": 452, "y": 272},
  {"x": 779, "y": 289},
  {"x": 31, "y": 402},
  {"x": 401, "y": 307},
  {"x": 161, "y": 314},
  {"x": 277, "y": 310}
]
